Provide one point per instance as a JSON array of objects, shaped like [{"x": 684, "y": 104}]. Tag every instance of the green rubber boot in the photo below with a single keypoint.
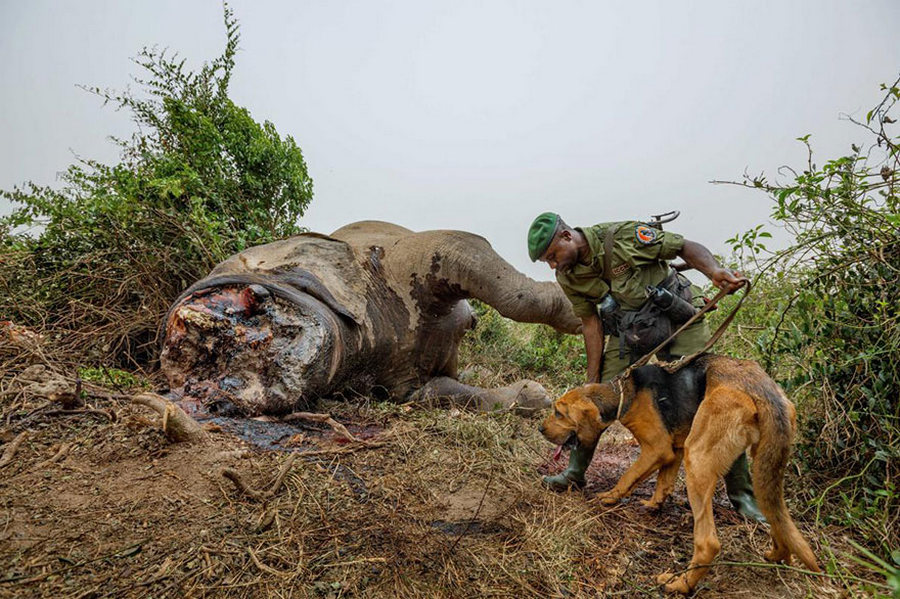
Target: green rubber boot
[
  {"x": 573, "y": 476},
  {"x": 740, "y": 490}
]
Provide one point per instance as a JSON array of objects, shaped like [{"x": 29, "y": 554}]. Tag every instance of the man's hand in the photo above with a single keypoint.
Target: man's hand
[
  {"x": 730, "y": 280},
  {"x": 697, "y": 256}
]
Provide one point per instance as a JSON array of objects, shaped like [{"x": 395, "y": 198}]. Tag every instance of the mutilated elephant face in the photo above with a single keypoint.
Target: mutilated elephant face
[{"x": 246, "y": 349}]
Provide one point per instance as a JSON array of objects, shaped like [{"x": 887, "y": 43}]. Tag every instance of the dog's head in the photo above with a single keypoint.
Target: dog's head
[{"x": 575, "y": 419}]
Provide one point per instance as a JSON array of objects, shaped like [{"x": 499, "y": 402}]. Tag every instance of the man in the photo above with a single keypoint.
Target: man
[{"x": 638, "y": 259}]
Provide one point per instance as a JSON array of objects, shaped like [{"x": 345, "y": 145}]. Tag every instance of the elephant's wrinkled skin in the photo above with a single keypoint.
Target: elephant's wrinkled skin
[{"x": 373, "y": 308}]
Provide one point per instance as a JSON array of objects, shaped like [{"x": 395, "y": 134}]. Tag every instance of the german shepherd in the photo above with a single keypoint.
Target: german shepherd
[{"x": 708, "y": 413}]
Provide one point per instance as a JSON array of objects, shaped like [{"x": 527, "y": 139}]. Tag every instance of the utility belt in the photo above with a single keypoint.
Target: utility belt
[{"x": 668, "y": 305}]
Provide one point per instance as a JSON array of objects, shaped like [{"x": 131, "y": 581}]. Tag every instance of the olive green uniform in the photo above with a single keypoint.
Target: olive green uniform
[{"x": 640, "y": 256}]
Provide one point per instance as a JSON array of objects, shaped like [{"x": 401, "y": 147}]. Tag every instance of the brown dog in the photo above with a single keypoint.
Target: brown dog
[{"x": 708, "y": 412}]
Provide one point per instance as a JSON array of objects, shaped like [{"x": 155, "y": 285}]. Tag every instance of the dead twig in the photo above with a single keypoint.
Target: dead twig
[
  {"x": 10, "y": 452},
  {"x": 267, "y": 519},
  {"x": 279, "y": 480},
  {"x": 265, "y": 568},
  {"x": 101, "y": 393},
  {"x": 336, "y": 426},
  {"x": 362, "y": 560},
  {"x": 110, "y": 415},
  {"x": 60, "y": 454},
  {"x": 232, "y": 475}
]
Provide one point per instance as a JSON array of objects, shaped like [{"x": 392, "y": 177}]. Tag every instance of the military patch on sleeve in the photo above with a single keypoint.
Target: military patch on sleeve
[{"x": 645, "y": 235}]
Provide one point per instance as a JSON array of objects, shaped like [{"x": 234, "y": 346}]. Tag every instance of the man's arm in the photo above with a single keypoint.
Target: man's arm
[
  {"x": 592, "y": 329},
  {"x": 698, "y": 257}
]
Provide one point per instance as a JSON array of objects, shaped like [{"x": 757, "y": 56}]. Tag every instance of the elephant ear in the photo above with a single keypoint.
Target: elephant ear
[{"x": 306, "y": 282}]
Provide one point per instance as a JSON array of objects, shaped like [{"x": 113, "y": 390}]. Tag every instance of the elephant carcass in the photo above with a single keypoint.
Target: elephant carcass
[{"x": 372, "y": 308}]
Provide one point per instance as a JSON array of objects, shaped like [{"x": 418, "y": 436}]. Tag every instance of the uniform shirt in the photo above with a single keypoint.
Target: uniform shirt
[{"x": 639, "y": 259}]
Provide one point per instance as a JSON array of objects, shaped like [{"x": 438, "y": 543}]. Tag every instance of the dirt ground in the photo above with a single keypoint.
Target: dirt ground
[{"x": 430, "y": 503}]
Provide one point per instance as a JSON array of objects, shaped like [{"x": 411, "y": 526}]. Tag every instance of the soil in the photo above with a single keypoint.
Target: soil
[{"x": 433, "y": 504}]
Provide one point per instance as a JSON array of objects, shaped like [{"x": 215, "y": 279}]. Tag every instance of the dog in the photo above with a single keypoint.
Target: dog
[{"x": 707, "y": 414}]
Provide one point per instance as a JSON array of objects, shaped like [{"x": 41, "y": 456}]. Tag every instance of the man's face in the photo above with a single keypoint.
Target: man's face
[{"x": 562, "y": 253}]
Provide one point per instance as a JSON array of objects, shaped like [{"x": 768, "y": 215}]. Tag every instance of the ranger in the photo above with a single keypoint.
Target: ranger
[{"x": 619, "y": 280}]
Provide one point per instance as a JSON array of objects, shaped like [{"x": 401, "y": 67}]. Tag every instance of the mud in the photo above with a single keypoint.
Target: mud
[
  {"x": 444, "y": 315},
  {"x": 285, "y": 436}
]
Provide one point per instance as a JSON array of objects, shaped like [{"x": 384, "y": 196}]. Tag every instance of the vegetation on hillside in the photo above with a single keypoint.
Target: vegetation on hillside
[{"x": 97, "y": 261}]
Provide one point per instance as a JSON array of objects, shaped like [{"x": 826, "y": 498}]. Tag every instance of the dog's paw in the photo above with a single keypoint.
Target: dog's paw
[
  {"x": 652, "y": 505},
  {"x": 608, "y": 498},
  {"x": 673, "y": 583},
  {"x": 778, "y": 555}
]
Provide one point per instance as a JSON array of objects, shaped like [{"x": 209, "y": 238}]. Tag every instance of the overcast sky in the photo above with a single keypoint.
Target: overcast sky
[{"x": 479, "y": 115}]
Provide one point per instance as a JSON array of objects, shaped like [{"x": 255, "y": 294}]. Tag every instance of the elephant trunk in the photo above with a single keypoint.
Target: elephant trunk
[{"x": 465, "y": 265}]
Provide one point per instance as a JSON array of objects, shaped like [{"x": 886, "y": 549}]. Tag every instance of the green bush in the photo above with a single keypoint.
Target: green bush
[
  {"x": 98, "y": 260},
  {"x": 832, "y": 325}
]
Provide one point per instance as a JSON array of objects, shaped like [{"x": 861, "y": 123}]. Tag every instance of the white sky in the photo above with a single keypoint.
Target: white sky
[{"x": 479, "y": 115}]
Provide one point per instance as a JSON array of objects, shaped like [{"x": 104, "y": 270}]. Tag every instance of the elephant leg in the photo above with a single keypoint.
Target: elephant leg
[{"x": 524, "y": 397}]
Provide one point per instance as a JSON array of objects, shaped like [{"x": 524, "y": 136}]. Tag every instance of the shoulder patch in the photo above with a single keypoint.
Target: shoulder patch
[{"x": 644, "y": 234}]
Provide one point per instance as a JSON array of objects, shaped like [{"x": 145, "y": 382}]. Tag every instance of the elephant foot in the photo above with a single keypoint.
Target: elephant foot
[{"x": 524, "y": 397}]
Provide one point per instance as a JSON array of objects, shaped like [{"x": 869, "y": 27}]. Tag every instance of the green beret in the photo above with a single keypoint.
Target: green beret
[{"x": 541, "y": 233}]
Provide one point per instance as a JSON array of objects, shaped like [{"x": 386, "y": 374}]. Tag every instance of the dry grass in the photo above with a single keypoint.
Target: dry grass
[{"x": 95, "y": 502}]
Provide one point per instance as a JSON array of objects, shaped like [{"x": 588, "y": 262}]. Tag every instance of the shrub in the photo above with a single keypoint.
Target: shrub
[
  {"x": 99, "y": 260},
  {"x": 835, "y": 332}
]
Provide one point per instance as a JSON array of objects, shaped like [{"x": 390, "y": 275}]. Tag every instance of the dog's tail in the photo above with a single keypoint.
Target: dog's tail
[{"x": 777, "y": 422}]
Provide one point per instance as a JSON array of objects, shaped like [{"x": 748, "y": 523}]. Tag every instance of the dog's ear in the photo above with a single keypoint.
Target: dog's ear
[{"x": 588, "y": 424}]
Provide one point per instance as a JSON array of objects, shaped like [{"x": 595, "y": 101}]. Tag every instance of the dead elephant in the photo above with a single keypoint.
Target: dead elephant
[{"x": 372, "y": 308}]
